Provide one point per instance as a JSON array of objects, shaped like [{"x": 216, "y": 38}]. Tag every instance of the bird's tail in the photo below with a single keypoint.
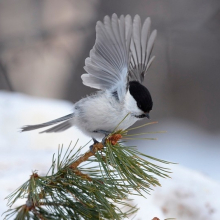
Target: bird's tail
[{"x": 58, "y": 128}]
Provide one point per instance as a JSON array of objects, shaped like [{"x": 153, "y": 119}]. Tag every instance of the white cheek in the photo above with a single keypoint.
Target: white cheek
[{"x": 131, "y": 104}]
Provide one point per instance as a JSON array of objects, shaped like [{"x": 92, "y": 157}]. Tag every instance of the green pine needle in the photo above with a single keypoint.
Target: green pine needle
[{"x": 96, "y": 188}]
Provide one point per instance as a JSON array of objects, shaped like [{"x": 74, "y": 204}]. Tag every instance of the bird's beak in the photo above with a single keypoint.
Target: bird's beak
[{"x": 147, "y": 115}]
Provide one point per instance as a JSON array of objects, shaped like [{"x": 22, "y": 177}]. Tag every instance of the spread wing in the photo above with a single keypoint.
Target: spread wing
[
  {"x": 108, "y": 64},
  {"x": 142, "y": 43},
  {"x": 117, "y": 56}
]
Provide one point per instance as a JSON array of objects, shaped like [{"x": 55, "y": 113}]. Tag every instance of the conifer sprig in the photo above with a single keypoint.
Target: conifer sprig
[{"x": 90, "y": 186}]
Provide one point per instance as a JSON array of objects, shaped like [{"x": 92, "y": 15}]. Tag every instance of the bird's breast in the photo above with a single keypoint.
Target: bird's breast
[{"x": 102, "y": 112}]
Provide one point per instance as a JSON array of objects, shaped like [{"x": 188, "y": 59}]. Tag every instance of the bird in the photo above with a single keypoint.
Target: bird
[{"x": 116, "y": 67}]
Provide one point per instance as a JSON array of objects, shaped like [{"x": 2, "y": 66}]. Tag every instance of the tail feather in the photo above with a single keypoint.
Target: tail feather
[
  {"x": 33, "y": 127},
  {"x": 58, "y": 128}
]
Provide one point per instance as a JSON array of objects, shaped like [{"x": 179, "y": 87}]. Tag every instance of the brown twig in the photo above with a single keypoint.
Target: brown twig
[
  {"x": 85, "y": 157},
  {"x": 30, "y": 206},
  {"x": 84, "y": 176},
  {"x": 96, "y": 147}
]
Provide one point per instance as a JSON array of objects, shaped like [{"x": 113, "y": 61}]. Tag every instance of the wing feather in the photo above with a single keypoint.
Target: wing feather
[
  {"x": 128, "y": 31},
  {"x": 116, "y": 32},
  {"x": 137, "y": 38},
  {"x": 107, "y": 66},
  {"x": 144, "y": 37},
  {"x": 141, "y": 48},
  {"x": 150, "y": 44},
  {"x": 122, "y": 52}
]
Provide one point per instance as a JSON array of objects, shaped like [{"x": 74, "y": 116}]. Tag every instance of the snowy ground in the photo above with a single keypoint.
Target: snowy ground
[{"x": 192, "y": 193}]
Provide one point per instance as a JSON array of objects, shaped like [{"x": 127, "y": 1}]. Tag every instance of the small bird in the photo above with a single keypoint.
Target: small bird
[{"x": 116, "y": 66}]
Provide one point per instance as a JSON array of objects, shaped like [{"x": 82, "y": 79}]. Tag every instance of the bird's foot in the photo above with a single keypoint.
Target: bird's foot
[
  {"x": 106, "y": 134},
  {"x": 113, "y": 139},
  {"x": 91, "y": 147}
]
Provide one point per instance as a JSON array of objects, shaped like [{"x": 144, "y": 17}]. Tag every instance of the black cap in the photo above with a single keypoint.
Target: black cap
[{"x": 142, "y": 96}]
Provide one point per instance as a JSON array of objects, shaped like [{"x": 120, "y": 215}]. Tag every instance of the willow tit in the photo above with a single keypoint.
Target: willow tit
[{"x": 117, "y": 65}]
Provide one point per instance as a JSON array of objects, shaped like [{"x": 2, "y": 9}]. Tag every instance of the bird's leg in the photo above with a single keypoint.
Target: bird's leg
[
  {"x": 106, "y": 133},
  {"x": 113, "y": 138},
  {"x": 91, "y": 146}
]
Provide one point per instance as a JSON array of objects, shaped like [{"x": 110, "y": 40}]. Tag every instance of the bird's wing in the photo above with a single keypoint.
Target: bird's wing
[
  {"x": 108, "y": 63},
  {"x": 142, "y": 43},
  {"x": 121, "y": 53}
]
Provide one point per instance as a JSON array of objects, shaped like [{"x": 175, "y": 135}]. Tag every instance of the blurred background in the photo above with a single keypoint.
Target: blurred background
[{"x": 43, "y": 46}]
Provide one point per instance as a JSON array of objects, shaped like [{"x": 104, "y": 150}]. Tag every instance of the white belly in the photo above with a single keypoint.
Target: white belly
[{"x": 101, "y": 112}]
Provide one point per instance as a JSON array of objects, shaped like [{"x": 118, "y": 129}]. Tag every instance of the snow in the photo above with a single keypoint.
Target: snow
[
  {"x": 192, "y": 193},
  {"x": 188, "y": 195}
]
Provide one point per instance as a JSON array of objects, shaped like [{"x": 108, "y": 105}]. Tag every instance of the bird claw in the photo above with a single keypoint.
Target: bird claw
[
  {"x": 113, "y": 139},
  {"x": 106, "y": 134},
  {"x": 91, "y": 147}
]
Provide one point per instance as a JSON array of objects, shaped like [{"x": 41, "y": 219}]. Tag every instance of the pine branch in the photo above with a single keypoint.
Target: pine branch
[{"x": 89, "y": 186}]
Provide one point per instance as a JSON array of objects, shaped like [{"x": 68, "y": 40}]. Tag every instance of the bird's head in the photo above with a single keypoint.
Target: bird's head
[{"x": 138, "y": 100}]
